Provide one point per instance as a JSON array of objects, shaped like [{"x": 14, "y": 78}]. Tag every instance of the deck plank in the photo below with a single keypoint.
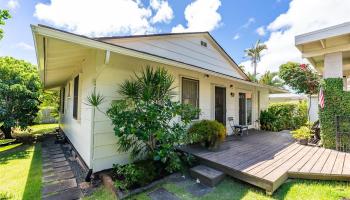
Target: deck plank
[
  {"x": 346, "y": 166},
  {"x": 258, "y": 166},
  {"x": 279, "y": 162},
  {"x": 310, "y": 164},
  {"x": 275, "y": 174},
  {"x": 266, "y": 160},
  {"x": 327, "y": 168},
  {"x": 303, "y": 161},
  {"x": 338, "y": 164},
  {"x": 321, "y": 161}
]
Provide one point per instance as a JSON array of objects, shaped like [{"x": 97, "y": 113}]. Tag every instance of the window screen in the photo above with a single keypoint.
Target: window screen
[
  {"x": 190, "y": 92},
  {"x": 75, "y": 97}
]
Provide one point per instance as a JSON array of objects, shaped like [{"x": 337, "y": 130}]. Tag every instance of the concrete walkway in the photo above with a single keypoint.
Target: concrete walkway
[{"x": 58, "y": 179}]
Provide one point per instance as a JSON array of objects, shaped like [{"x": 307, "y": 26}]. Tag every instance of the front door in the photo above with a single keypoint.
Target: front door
[
  {"x": 220, "y": 104},
  {"x": 242, "y": 109}
]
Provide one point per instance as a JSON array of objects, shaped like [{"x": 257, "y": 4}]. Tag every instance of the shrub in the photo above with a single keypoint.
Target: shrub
[
  {"x": 303, "y": 132},
  {"x": 209, "y": 132},
  {"x": 134, "y": 175},
  {"x": 281, "y": 116},
  {"x": 147, "y": 122},
  {"x": 336, "y": 103}
]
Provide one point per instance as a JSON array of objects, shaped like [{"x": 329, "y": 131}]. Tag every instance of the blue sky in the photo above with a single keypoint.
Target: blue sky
[{"x": 233, "y": 23}]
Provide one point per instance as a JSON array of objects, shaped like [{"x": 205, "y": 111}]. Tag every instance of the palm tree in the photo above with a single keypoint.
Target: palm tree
[
  {"x": 271, "y": 78},
  {"x": 254, "y": 54}
]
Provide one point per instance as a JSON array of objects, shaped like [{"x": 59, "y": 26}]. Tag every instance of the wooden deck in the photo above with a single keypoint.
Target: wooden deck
[{"x": 267, "y": 159}]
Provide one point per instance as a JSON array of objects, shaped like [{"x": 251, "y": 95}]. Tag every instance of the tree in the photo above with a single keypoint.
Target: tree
[
  {"x": 147, "y": 122},
  {"x": 20, "y": 89},
  {"x": 271, "y": 78},
  {"x": 4, "y": 15},
  {"x": 254, "y": 54},
  {"x": 301, "y": 78}
]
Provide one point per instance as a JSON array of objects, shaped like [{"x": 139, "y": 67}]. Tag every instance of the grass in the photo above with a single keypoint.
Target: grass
[
  {"x": 36, "y": 129},
  {"x": 291, "y": 190},
  {"x": 6, "y": 141},
  {"x": 100, "y": 194},
  {"x": 21, "y": 173},
  {"x": 8, "y": 147}
]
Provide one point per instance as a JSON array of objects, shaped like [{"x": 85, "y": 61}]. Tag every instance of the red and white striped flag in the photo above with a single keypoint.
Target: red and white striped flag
[{"x": 321, "y": 98}]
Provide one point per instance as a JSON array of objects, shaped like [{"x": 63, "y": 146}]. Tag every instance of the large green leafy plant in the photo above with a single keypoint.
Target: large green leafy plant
[
  {"x": 301, "y": 78},
  {"x": 20, "y": 89},
  {"x": 147, "y": 122},
  {"x": 281, "y": 116}
]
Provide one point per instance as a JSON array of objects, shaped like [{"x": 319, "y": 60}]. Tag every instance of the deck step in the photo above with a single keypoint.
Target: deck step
[{"x": 206, "y": 175}]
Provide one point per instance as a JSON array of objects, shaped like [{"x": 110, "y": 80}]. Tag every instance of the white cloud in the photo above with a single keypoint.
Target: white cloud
[
  {"x": 261, "y": 31},
  {"x": 236, "y": 37},
  {"x": 164, "y": 13},
  {"x": 103, "y": 17},
  {"x": 295, "y": 21},
  {"x": 12, "y": 4},
  {"x": 24, "y": 46},
  {"x": 249, "y": 22},
  {"x": 201, "y": 15}
]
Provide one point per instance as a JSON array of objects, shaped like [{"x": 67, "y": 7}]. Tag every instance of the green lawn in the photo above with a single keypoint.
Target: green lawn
[
  {"x": 36, "y": 129},
  {"x": 20, "y": 173},
  {"x": 10, "y": 146},
  {"x": 100, "y": 194},
  {"x": 292, "y": 189}
]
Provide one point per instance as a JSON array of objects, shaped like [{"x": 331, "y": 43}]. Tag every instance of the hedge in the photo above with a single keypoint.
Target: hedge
[
  {"x": 284, "y": 116},
  {"x": 337, "y": 102}
]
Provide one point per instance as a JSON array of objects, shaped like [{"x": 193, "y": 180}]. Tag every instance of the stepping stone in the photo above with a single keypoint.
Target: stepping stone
[
  {"x": 58, "y": 159},
  {"x": 198, "y": 189},
  {"x": 58, "y": 155},
  {"x": 56, "y": 152},
  {"x": 58, "y": 176},
  {"x": 161, "y": 194},
  {"x": 208, "y": 176},
  {"x": 62, "y": 169},
  {"x": 73, "y": 193},
  {"x": 59, "y": 164},
  {"x": 59, "y": 186}
]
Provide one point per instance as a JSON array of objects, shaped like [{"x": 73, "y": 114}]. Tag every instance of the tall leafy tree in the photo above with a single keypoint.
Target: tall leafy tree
[
  {"x": 301, "y": 78},
  {"x": 254, "y": 53},
  {"x": 4, "y": 15},
  {"x": 20, "y": 89},
  {"x": 271, "y": 78}
]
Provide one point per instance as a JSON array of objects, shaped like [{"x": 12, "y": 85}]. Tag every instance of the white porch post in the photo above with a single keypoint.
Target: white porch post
[{"x": 333, "y": 65}]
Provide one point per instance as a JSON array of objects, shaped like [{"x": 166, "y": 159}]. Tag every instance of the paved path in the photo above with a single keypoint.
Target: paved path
[{"x": 58, "y": 179}]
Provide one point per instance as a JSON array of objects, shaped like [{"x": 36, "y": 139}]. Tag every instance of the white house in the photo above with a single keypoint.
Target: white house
[{"x": 205, "y": 76}]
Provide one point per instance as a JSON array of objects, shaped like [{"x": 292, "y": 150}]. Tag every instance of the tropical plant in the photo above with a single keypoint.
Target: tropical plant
[
  {"x": 209, "y": 132},
  {"x": 4, "y": 15},
  {"x": 50, "y": 101},
  {"x": 134, "y": 175},
  {"x": 252, "y": 77},
  {"x": 20, "y": 89},
  {"x": 301, "y": 78},
  {"x": 302, "y": 133},
  {"x": 147, "y": 122},
  {"x": 283, "y": 116},
  {"x": 254, "y": 53},
  {"x": 271, "y": 78}
]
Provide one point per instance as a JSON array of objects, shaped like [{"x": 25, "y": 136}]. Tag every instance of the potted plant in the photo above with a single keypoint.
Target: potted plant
[
  {"x": 302, "y": 135},
  {"x": 209, "y": 133}
]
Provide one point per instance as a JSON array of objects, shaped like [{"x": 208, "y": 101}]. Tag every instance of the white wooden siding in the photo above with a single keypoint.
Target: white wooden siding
[
  {"x": 184, "y": 48},
  {"x": 121, "y": 68}
]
